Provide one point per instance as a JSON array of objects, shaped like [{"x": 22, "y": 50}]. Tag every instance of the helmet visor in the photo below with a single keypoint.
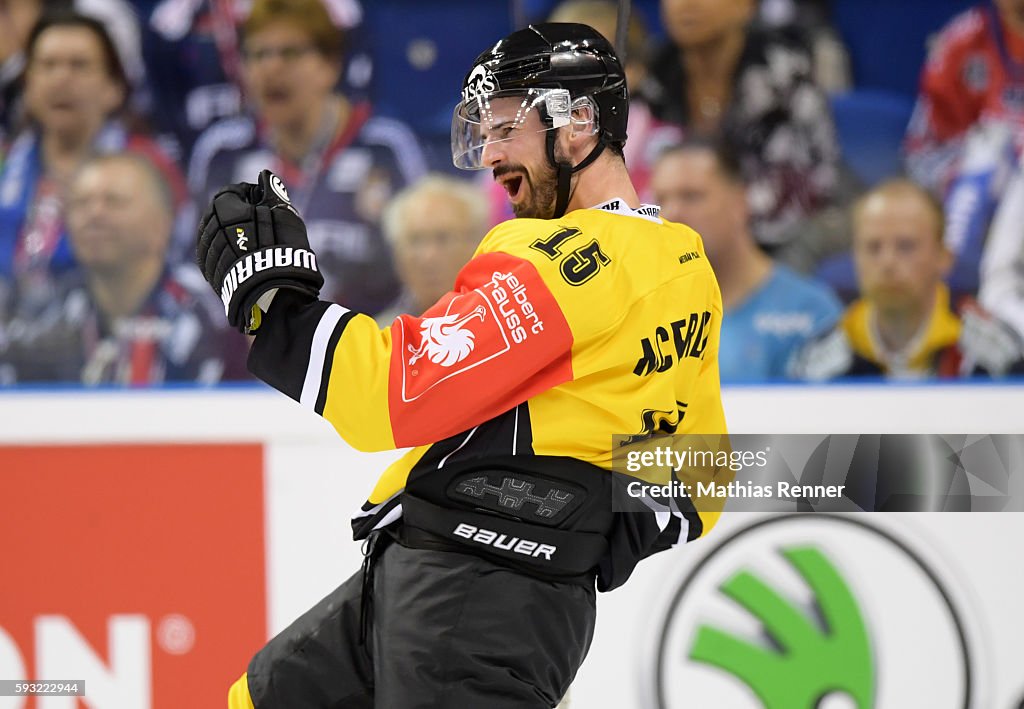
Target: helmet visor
[{"x": 486, "y": 119}]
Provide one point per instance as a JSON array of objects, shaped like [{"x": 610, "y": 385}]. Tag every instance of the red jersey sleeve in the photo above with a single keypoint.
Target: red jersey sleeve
[{"x": 496, "y": 340}]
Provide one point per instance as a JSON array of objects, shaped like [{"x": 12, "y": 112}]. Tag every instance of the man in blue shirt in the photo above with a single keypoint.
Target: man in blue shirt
[{"x": 770, "y": 310}]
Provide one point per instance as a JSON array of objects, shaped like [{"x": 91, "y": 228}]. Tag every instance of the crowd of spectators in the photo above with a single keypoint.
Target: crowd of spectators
[{"x": 119, "y": 120}]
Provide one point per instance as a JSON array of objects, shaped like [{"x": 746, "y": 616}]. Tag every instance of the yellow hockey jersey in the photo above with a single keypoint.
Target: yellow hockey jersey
[{"x": 558, "y": 335}]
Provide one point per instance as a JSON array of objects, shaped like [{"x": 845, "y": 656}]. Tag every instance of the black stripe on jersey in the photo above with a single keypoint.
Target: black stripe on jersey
[
  {"x": 522, "y": 430},
  {"x": 687, "y": 510},
  {"x": 280, "y": 353},
  {"x": 363, "y": 524},
  {"x": 505, "y": 434},
  {"x": 634, "y": 537},
  {"x": 682, "y": 505},
  {"x": 332, "y": 344},
  {"x": 667, "y": 538}
]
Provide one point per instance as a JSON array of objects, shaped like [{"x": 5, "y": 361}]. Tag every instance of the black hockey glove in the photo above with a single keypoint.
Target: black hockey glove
[{"x": 252, "y": 240}]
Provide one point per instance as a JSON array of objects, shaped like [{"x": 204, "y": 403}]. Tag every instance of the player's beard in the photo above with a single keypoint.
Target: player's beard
[
  {"x": 542, "y": 188},
  {"x": 543, "y": 191}
]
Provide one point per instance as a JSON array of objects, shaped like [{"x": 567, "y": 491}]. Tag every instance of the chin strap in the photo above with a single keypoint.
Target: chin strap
[{"x": 564, "y": 172}]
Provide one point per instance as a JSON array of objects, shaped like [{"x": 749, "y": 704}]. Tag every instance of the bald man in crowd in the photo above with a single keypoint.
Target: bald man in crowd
[
  {"x": 903, "y": 326},
  {"x": 433, "y": 227},
  {"x": 123, "y": 316}
]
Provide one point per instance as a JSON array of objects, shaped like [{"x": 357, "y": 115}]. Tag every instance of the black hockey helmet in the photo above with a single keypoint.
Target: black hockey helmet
[{"x": 558, "y": 69}]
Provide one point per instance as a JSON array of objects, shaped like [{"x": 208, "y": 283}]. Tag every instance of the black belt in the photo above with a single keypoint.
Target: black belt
[{"x": 544, "y": 552}]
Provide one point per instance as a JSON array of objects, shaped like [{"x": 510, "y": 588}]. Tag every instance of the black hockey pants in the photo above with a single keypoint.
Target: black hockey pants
[{"x": 445, "y": 630}]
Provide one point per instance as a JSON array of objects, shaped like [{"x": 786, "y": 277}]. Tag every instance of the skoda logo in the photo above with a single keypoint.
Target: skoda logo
[{"x": 810, "y": 611}]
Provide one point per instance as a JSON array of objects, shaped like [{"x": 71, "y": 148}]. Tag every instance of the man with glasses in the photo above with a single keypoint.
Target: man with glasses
[{"x": 340, "y": 162}]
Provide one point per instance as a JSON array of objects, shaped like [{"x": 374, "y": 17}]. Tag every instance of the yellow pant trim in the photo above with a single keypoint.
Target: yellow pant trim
[{"x": 238, "y": 695}]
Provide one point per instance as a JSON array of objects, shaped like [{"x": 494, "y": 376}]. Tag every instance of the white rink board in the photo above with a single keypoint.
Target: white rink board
[
  {"x": 314, "y": 481},
  {"x": 258, "y": 414}
]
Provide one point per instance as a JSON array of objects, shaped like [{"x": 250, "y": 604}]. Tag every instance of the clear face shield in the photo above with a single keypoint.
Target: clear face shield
[{"x": 484, "y": 118}]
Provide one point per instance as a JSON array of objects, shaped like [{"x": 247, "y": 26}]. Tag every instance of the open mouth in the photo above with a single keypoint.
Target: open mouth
[
  {"x": 513, "y": 185},
  {"x": 276, "y": 95},
  {"x": 62, "y": 105}
]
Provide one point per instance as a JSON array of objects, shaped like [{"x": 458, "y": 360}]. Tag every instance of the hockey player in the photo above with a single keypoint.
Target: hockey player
[{"x": 588, "y": 316}]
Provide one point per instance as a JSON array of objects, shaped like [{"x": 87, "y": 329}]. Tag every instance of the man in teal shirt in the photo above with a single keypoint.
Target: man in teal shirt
[{"x": 770, "y": 310}]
